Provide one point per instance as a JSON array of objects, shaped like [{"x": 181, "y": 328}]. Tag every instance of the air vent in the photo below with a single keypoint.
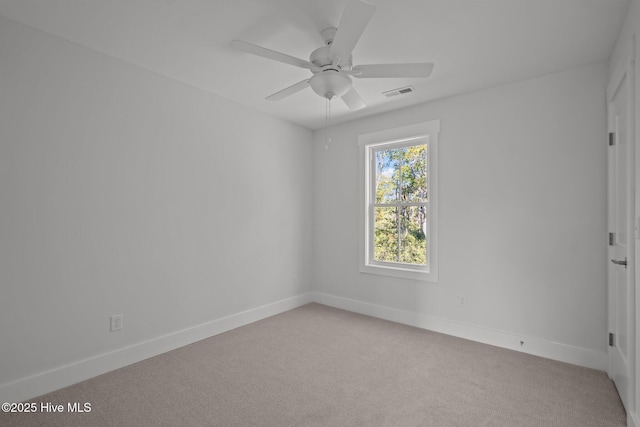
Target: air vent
[{"x": 400, "y": 91}]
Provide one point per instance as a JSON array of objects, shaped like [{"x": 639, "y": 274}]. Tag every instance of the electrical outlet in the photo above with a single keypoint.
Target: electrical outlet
[
  {"x": 462, "y": 301},
  {"x": 116, "y": 322}
]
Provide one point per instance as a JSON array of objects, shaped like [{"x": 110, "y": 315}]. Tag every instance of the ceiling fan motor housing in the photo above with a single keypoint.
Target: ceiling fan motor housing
[{"x": 321, "y": 58}]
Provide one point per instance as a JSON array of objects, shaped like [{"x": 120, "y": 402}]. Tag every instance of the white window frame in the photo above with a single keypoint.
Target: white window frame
[{"x": 425, "y": 132}]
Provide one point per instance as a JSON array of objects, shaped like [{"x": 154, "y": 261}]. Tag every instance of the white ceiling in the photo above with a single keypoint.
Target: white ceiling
[{"x": 474, "y": 43}]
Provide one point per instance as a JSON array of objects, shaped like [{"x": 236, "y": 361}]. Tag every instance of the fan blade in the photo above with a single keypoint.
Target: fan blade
[
  {"x": 355, "y": 18},
  {"x": 288, "y": 91},
  {"x": 392, "y": 70},
  {"x": 272, "y": 54},
  {"x": 353, "y": 100}
]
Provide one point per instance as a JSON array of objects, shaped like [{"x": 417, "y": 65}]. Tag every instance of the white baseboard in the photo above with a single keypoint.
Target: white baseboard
[
  {"x": 632, "y": 420},
  {"x": 62, "y": 376},
  {"x": 548, "y": 349}
]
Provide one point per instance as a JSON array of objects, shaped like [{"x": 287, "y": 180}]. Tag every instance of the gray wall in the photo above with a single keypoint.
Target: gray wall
[
  {"x": 522, "y": 173},
  {"x": 126, "y": 192}
]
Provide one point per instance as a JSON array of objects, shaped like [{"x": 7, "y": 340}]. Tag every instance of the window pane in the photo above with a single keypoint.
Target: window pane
[
  {"x": 386, "y": 234},
  {"x": 401, "y": 174},
  {"x": 387, "y": 176},
  {"x": 413, "y": 228},
  {"x": 413, "y": 174},
  {"x": 400, "y": 234}
]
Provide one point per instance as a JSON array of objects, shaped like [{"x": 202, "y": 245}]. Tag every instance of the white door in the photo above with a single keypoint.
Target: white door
[{"x": 621, "y": 250}]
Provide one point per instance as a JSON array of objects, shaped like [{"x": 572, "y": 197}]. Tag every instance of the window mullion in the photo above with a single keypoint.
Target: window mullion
[
  {"x": 398, "y": 208},
  {"x": 398, "y": 232},
  {"x": 406, "y": 204}
]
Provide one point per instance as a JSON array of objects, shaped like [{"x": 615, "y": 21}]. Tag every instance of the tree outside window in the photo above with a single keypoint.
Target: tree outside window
[{"x": 400, "y": 208}]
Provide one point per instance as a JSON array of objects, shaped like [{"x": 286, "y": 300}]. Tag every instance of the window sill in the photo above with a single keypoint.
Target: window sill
[{"x": 399, "y": 272}]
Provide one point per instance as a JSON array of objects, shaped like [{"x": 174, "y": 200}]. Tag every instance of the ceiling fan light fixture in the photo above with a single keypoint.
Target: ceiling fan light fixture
[{"x": 329, "y": 84}]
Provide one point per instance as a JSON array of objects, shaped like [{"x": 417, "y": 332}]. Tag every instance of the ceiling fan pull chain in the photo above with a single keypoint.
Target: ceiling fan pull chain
[{"x": 327, "y": 122}]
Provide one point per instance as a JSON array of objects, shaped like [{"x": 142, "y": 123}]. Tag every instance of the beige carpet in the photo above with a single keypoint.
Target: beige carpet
[{"x": 319, "y": 366}]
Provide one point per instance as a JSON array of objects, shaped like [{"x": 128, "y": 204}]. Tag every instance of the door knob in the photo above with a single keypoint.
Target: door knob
[{"x": 616, "y": 262}]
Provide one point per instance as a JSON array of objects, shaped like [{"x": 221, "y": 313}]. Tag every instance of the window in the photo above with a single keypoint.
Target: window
[{"x": 399, "y": 201}]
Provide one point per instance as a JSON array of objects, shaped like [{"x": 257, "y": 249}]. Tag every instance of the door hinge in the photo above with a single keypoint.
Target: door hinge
[
  {"x": 612, "y": 239},
  {"x": 612, "y": 138},
  {"x": 610, "y": 339}
]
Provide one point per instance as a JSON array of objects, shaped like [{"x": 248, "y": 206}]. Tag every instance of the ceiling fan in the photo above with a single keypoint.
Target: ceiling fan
[{"x": 332, "y": 65}]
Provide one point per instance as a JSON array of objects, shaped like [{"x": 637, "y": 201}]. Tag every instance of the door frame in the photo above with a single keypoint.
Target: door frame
[{"x": 626, "y": 68}]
